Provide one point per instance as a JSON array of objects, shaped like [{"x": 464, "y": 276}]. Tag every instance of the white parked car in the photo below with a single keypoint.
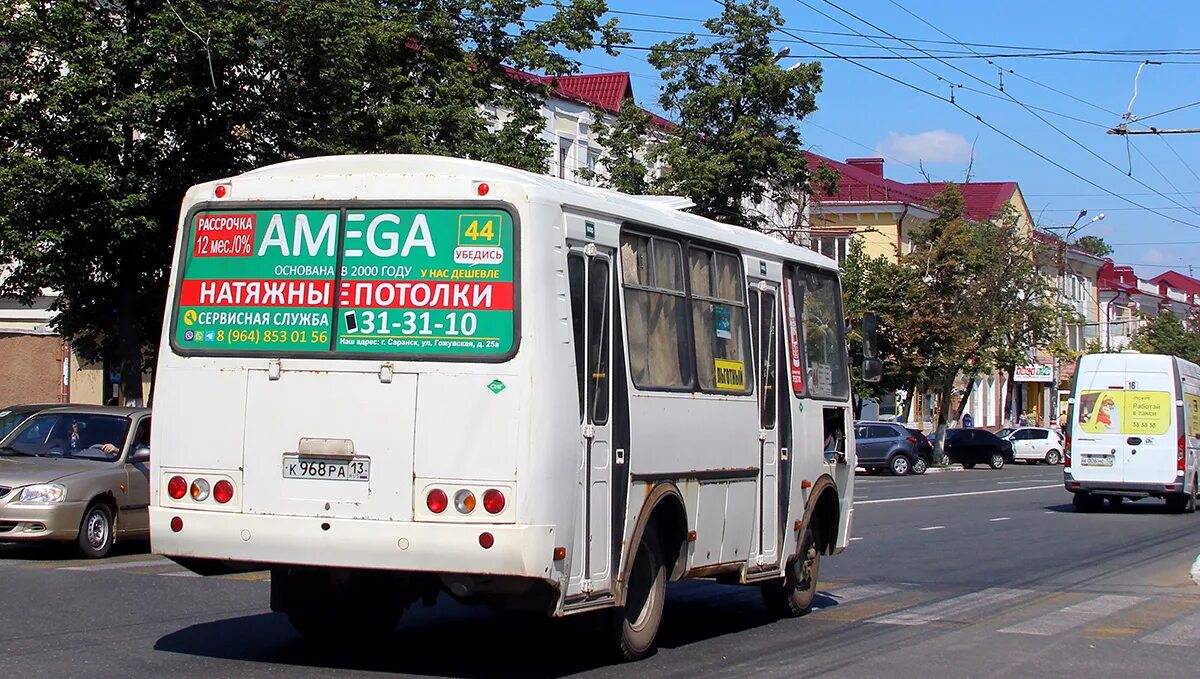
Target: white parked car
[{"x": 1035, "y": 444}]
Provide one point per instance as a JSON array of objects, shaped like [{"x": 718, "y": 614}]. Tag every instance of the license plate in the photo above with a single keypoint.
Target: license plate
[
  {"x": 326, "y": 469},
  {"x": 1097, "y": 460}
]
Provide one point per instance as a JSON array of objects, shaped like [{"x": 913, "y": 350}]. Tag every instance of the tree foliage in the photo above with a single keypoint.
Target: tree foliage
[
  {"x": 111, "y": 110},
  {"x": 1166, "y": 334},
  {"x": 1093, "y": 245},
  {"x": 736, "y": 144},
  {"x": 629, "y": 148}
]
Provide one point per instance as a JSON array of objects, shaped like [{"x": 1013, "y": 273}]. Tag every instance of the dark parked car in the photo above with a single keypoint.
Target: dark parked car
[
  {"x": 924, "y": 452},
  {"x": 970, "y": 447},
  {"x": 885, "y": 445}
]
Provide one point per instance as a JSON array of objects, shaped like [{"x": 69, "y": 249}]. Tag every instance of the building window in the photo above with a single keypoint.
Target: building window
[
  {"x": 593, "y": 159},
  {"x": 564, "y": 157},
  {"x": 833, "y": 247}
]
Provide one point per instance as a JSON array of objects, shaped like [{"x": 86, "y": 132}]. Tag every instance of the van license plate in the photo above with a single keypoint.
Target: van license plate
[
  {"x": 1097, "y": 460},
  {"x": 326, "y": 469}
]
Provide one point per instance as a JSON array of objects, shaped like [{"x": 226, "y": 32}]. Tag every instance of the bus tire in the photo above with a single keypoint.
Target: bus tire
[
  {"x": 634, "y": 626},
  {"x": 793, "y": 596}
]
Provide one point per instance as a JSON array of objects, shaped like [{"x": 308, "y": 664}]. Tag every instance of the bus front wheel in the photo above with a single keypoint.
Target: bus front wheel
[
  {"x": 634, "y": 626},
  {"x": 793, "y": 596}
]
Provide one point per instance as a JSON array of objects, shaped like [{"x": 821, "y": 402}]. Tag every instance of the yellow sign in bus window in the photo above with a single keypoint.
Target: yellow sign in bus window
[
  {"x": 1125, "y": 412},
  {"x": 731, "y": 375}
]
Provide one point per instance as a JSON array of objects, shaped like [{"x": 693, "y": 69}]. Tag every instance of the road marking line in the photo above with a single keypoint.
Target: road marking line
[
  {"x": 144, "y": 563},
  {"x": 933, "y": 528},
  {"x": 966, "y": 494},
  {"x": 954, "y": 607},
  {"x": 855, "y": 539},
  {"x": 1185, "y": 632},
  {"x": 1076, "y": 615},
  {"x": 1000, "y": 518},
  {"x": 181, "y": 574}
]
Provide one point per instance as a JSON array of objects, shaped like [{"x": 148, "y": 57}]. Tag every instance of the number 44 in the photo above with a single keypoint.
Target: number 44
[{"x": 475, "y": 232}]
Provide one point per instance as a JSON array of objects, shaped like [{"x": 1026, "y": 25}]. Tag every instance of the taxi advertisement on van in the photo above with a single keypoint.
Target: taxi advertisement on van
[{"x": 1125, "y": 412}]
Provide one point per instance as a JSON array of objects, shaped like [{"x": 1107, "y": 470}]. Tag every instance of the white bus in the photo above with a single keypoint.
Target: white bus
[{"x": 389, "y": 377}]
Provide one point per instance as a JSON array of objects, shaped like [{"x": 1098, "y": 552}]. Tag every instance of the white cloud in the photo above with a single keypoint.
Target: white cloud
[
  {"x": 934, "y": 146},
  {"x": 1154, "y": 256}
]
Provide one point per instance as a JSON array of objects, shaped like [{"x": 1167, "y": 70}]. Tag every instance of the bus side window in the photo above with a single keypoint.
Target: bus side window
[
  {"x": 719, "y": 319},
  {"x": 823, "y": 327},
  {"x": 575, "y": 280},
  {"x": 652, "y": 275}
]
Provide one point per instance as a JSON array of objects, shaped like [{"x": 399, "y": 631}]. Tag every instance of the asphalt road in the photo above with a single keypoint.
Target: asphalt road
[{"x": 971, "y": 573}]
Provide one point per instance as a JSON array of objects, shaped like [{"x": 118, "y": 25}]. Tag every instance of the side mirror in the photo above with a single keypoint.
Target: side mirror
[
  {"x": 870, "y": 335},
  {"x": 139, "y": 454},
  {"x": 872, "y": 370}
]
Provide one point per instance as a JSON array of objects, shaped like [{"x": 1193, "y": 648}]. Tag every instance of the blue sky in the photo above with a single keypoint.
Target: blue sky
[{"x": 864, "y": 114}]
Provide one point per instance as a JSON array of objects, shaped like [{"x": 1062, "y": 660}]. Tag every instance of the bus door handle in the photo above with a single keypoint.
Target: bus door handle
[
  {"x": 620, "y": 452},
  {"x": 783, "y": 453}
]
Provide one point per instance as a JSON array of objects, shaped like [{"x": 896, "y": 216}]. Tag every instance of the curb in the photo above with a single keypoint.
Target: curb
[{"x": 947, "y": 468}]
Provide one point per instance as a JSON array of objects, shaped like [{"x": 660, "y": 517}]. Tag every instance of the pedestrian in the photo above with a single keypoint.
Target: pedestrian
[
  {"x": 1023, "y": 420},
  {"x": 967, "y": 421}
]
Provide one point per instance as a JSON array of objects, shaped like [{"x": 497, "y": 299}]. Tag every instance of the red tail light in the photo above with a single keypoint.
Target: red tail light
[
  {"x": 177, "y": 487},
  {"x": 1067, "y": 449},
  {"x": 223, "y": 491},
  {"x": 493, "y": 501},
  {"x": 1181, "y": 457},
  {"x": 437, "y": 501}
]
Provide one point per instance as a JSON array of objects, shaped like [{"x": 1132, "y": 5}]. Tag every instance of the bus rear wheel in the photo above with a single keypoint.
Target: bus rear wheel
[
  {"x": 634, "y": 626},
  {"x": 793, "y": 596}
]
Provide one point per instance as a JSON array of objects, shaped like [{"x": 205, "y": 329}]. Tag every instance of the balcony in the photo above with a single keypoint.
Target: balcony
[
  {"x": 1147, "y": 287},
  {"x": 1178, "y": 295}
]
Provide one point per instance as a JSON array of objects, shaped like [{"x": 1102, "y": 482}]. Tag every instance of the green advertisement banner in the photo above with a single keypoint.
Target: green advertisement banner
[{"x": 437, "y": 282}]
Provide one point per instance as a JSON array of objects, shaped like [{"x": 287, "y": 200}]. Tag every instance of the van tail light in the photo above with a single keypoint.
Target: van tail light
[
  {"x": 1181, "y": 457},
  {"x": 1067, "y": 449}
]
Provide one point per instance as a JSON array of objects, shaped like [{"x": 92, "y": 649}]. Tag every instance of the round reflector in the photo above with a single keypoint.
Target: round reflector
[
  {"x": 486, "y": 540},
  {"x": 221, "y": 190},
  {"x": 464, "y": 501},
  {"x": 177, "y": 487},
  {"x": 176, "y": 524},
  {"x": 493, "y": 501},
  {"x": 483, "y": 189},
  {"x": 436, "y": 501},
  {"x": 200, "y": 490},
  {"x": 223, "y": 491}
]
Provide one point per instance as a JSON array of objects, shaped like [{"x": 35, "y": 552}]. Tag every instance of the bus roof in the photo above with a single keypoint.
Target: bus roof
[{"x": 651, "y": 211}]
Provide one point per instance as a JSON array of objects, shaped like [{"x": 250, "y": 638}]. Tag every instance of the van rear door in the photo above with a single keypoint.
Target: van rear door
[{"x": 1124, "y": 427}]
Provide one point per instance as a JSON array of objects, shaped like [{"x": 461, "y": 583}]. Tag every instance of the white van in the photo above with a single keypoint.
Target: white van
[{"x": 1134, "y": 430}]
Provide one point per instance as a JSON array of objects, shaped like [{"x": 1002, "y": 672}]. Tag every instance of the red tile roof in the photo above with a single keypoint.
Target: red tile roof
[
  {"x": 859, "y": 185},
  {"x": 606, "y": 91},
  {"x": 1178, "y": 281},
  {"x": 984, "y": 200}
]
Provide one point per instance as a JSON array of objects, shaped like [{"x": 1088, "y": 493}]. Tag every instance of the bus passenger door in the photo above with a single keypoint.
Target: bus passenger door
[
  {"x": 763, "y": 324},
  {"x": 589, "y": 272}
]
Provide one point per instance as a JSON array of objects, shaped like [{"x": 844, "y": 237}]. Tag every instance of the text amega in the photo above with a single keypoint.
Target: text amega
[{"x": 381, "y": 236}]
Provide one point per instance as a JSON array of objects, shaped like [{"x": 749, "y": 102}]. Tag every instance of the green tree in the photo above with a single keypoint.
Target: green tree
[
  {"x": 111, "y": 110},
  {"x": 894, "y": 293},
  {"x": 985, "y": 304},
  {"x": 1094, "y": 245},
  {"x": 629, "y": 149},
  {"x": 736, "y": 143},
  {"x": 1166, "y": 334}
]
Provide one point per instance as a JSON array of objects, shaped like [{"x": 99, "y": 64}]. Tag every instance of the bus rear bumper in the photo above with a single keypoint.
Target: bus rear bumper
[{"x": 526, "y": 551}]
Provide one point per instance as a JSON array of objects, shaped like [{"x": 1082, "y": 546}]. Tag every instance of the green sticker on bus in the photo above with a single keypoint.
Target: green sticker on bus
[{"x": 436, "y": 282}]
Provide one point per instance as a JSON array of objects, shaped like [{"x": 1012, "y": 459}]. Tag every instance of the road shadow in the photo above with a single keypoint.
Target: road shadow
[
  {"x": 450, "y": 640},
  {"x": 1144, "y": 507},
  {"x": 54, "y": 551}
]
